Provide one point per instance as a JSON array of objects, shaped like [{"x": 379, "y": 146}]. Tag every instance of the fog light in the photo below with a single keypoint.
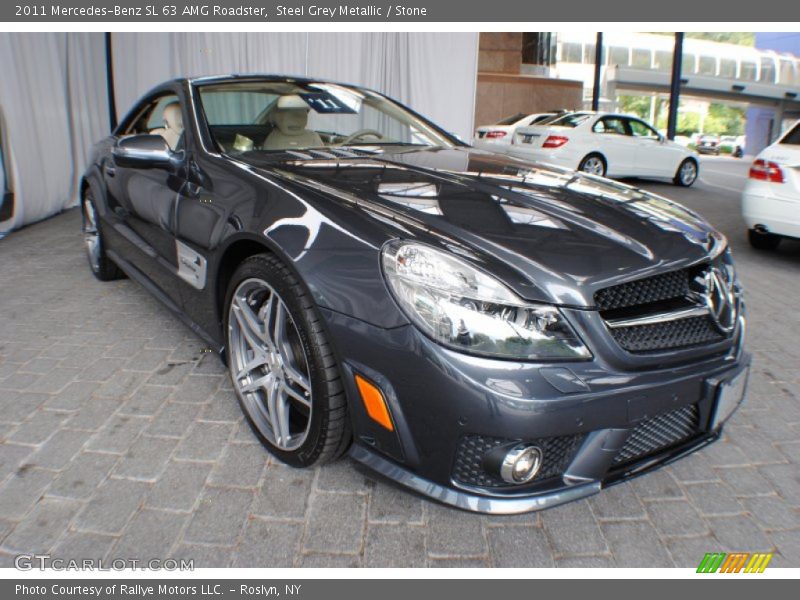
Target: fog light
[{"x": 521, "y": 464}]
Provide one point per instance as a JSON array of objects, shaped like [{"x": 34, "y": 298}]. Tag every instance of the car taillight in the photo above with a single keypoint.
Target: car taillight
[
  {"x": 764, "y": 170},
  {"x": 555, "y": 141},
  {"x": 496, "y": 134}
]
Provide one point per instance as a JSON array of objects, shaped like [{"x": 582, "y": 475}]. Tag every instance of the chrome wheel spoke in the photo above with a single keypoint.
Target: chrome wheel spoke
[
  {"x": 281, "y": 416},
  {"x": 258, "y": 361},
  {"x": 262, "y": 382},
  {"x": 300, "y": 397},
  {"x": 296, "y": 377}
]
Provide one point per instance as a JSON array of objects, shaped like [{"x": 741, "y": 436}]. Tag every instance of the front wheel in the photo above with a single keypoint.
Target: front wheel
[
  {"x": 282, "y": 365},
  {"x": 763, "y": 241},
  {"x": 594, "y": 164},
  {"x": 686, "y": 174}
]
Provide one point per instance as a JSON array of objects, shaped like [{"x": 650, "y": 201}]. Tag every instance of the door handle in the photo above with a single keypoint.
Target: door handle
[{"x": 110, "y": 171}]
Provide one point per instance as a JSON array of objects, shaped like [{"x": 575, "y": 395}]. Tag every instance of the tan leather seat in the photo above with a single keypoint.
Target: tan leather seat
[
  {"x": 290, "y": 117},
  {"x": 173, "y": 125}
]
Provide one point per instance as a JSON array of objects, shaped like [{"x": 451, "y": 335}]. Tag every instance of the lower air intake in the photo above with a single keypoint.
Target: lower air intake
[{"x": 659, "y": 433}]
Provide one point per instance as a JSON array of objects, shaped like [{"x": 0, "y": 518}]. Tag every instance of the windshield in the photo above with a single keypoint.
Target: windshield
[
  {"x": 512, "y": 119},
  {"x": 284, "y": 115}
]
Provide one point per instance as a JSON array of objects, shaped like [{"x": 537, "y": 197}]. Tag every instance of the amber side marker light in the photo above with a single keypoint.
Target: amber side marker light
[{"x": 374, "y": 402}]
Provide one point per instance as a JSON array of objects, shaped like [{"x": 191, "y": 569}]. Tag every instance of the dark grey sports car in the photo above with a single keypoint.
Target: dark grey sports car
[{"x": 498, "y": 335}]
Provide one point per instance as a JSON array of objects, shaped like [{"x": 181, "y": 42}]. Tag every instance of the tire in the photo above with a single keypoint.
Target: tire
[
  {"x": 593, "y": 164},
  {"x": 763, "y": 241},
  {"x": 687, "y": 173},
  {"x": 286, "y": 379},
  {"x": 102, "y": 267}
]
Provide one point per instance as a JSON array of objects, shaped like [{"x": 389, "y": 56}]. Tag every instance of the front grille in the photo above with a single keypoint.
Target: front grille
[
  {"x": 659, "y": 433},
  {"x": 652, "y": 296},
  {"x": 557, "y": 452},
  {"x": 666, "y": 286},
  {"x": 668, "y": 335}
]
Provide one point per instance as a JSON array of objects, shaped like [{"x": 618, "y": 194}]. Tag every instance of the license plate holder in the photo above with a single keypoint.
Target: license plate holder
[{"x": 730, "y": 394}]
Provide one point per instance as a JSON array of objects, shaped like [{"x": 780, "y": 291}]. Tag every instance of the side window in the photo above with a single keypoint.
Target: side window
[
  {"x": 162, "y": 116},
  {"x": 640, "y": 129},
  {"x": 156, "y": 117},
  {"x": 610, "y": 125},
  {"x": 151, "y": 115}
]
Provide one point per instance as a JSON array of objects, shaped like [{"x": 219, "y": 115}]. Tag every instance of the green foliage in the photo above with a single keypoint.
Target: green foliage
[{"x": 721, "y": 119}]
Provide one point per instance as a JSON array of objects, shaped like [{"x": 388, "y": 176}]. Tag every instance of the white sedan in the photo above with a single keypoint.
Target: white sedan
[
  {"x": 606, "y": 144},
  {"x": 495, "y": 137},
  {"x": 771, "y": 197}
]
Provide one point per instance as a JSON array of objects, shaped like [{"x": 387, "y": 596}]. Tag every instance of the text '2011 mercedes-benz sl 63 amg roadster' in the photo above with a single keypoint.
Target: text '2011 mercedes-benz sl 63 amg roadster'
[{"x": 495, "y": 334}]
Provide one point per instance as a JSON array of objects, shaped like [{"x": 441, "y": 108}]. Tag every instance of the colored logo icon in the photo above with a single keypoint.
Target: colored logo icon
[{"x": 736, "y": 562}]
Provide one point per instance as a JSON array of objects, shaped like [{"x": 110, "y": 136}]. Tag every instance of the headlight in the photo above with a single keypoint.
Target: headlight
[{"x": 465, "y": 309}]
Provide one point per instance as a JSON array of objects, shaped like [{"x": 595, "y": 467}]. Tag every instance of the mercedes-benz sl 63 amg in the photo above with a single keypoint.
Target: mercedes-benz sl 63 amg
[{"x": 495, "y": 334}]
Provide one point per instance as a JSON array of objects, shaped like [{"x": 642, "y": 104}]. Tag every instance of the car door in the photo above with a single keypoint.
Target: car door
[
  {"x": 611, "y": 138},
  {"x": 144, "y": 201},
  {"x": 654, "y": 157}
]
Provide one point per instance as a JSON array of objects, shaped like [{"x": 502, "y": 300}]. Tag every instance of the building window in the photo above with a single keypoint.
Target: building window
[
  {"x": 727, "y": 68},
  {"x": 749, "y": 71},
  {"x": 571, "y": 52},
  {"x": 767, "y": 70},
  {"x": 539, "y": 48}
]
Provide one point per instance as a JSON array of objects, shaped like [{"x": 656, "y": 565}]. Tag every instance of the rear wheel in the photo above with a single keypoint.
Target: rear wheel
[
  {"x": 763, "y": 241},
  {"x": 686, "y": 174},
  {"x": 282, "y": 365},
  {"x": 102, "y": 266},
  {"x": 594, "y": 164}
]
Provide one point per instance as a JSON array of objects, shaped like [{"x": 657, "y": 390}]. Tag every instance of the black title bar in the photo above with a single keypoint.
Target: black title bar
[{"x": 478, "y": 11}]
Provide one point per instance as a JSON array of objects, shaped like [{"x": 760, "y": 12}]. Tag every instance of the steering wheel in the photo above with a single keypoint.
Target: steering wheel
[{"x": 359, "y": 134}]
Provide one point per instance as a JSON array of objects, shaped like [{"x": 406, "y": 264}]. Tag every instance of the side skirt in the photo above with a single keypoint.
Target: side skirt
[{"x": 139, "y": 277}]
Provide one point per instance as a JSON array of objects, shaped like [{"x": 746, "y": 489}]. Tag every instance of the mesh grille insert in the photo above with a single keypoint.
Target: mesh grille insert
[
  {"x": 468, "y": 469},
  {"x": 659, "y": 433},
  {"x": 666, "y": 286},
  {"x": 664, "y": 336}
]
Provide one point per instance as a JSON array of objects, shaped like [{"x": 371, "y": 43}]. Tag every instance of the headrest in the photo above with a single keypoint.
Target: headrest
[
  {"x": 173, "y": 117},
  {"x": 290, "y": 102}
]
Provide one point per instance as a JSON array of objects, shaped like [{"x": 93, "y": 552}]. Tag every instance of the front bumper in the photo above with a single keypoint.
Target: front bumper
[{"x": 437, "y": 397}]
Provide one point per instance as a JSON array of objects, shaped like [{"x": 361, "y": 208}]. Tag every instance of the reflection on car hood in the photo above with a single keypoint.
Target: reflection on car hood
[{"x": 567, "y": 234}]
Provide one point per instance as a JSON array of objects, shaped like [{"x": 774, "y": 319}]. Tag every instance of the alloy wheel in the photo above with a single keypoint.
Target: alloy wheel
[
  {"x": 688, "y": 172},
  {"x": 91, "y": 235},
  {"x": 268, "y": 365},
  {"x": 593, "y": 165}
]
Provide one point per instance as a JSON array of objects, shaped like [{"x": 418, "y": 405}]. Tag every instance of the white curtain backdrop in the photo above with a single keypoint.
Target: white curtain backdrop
[
  {"x": 53, "y": 98},
  {"x": 54, "y": 103}
]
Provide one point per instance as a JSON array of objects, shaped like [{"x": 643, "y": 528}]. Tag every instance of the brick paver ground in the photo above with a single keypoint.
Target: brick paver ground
[{"x": 121, "y": 438}]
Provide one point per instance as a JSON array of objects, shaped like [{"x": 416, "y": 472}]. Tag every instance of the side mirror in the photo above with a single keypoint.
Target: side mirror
[{"x": 144, "y": 151}]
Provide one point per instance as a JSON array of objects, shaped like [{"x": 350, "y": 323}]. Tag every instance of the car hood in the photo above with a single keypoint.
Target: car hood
[{"x": 552, "y": 234}]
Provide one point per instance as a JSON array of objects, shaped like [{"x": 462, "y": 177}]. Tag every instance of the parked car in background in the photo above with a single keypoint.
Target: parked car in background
[
  {"x": 494, "y": 137},
  {"x": 495, "y": 334},
  {"x": 606, "y": 144},
  {"x": 771, "y": 196},
  {"x": 708, "y": 143}
]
